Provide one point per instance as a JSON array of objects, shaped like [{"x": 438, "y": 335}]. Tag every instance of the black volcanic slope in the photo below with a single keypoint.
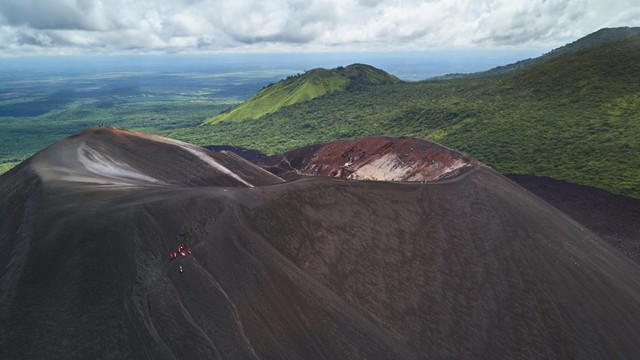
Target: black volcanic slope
[
  {"x": 615, "y": 218},
  {"x": 471, "y": 266}
]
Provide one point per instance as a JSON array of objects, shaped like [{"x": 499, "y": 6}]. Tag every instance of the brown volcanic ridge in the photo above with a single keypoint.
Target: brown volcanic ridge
[{"x": 467, "y": 266}]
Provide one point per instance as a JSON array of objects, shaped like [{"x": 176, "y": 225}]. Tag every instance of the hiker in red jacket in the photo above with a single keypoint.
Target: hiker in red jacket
[{"x": 183, "y": 250}]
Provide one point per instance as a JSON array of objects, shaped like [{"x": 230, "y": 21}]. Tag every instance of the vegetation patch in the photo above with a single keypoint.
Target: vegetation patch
[
  {"x": 303, "y": 87},
  {"x": 573, "y": 114},
  {"x": 573, "y": 117}
]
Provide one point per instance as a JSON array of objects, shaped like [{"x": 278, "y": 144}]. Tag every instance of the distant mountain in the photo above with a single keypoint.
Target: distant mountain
[
  {"x": 469, "y": 266},
  {"x": 573, "y": 116},
  {"x": 303, "y": 87},
  {"x": 599, "y": 37}
]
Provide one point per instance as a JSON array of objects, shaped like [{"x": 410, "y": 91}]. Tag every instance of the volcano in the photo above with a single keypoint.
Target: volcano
[{"x": 446, "y": 258}]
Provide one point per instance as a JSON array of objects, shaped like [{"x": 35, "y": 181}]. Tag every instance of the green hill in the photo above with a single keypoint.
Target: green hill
[
  {"x": 575, "y": 116},
  {"x": 307, "y": 86},
  {"x": 602, "y": 36},
  {"x": 599, "y": 37}
]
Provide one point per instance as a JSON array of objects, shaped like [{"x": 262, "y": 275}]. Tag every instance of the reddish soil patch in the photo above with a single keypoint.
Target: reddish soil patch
[{"x": 371, "y": 158}]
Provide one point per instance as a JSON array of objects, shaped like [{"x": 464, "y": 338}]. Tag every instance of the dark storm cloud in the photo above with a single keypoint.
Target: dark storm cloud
[
  {"x": 41, "y": 14},
  {"x": 112, "y": 26}
]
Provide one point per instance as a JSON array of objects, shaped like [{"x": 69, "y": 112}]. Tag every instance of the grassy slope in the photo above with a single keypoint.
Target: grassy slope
[
  {"x": 297, "y": 89},
  {"x": 575, "y": 117}
]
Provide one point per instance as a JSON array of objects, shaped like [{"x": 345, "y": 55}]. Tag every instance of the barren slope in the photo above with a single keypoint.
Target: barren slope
[
  {"x": 471, "y": 266},
  {"x": 615, "y": 218}
]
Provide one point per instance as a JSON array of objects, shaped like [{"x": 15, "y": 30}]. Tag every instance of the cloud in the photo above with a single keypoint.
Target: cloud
[
  {"x": 513, "y": 23},
  {"x": 123, "y": 26},
  {"x": 43, "y": 15}
]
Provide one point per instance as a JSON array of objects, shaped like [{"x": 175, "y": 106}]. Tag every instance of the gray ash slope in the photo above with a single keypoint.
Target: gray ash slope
[
  {"x": 615, "y": 218},
  {"x": 468, "y": 266}
]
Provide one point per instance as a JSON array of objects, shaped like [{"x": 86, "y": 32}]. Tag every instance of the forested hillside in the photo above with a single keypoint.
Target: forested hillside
[{"x": 574, "y": 117}]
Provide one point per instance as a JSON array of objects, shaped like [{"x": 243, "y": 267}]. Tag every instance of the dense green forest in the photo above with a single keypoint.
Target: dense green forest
[{"x": 574, "y": 117}]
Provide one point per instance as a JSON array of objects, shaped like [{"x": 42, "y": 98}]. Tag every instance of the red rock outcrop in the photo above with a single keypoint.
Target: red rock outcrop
[{"x": 372, "y": 158}]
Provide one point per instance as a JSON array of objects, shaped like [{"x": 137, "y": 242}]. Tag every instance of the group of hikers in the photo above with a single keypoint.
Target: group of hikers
[{"x": 182, "y": 251}]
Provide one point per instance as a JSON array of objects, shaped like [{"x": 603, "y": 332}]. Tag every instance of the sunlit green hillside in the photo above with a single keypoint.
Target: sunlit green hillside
[{"x": 307, "y": 86}]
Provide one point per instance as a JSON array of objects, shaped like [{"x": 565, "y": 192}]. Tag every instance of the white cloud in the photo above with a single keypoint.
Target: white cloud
[{"x": 117, "y": 26}]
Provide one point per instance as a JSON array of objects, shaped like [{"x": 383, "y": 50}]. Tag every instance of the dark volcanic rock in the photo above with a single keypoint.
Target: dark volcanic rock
[
  {"x": 471, "y": 266},
  {"x": 247, "y": 154},
  {"x": 616, "y": 218},
  {"x": 613, "y": 217}
]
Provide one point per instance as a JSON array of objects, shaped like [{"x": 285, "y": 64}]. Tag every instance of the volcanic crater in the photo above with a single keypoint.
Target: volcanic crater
[{"x": 372, "y": 158}]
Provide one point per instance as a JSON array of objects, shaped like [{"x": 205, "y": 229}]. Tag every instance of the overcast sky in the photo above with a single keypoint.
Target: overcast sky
[{"x": 53, "y": 27}]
